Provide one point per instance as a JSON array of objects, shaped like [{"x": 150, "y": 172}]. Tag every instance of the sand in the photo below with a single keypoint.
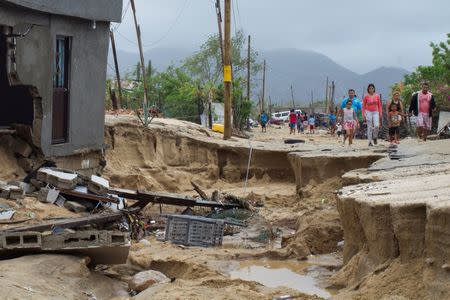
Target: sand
[{"x": 170, "y": 154}]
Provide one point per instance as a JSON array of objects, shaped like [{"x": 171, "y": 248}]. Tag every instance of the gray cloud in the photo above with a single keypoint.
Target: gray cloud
[{"x": 361, "y": 35}]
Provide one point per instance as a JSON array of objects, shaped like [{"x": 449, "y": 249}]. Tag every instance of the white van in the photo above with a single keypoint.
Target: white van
[{"x": 284, "y": 115}]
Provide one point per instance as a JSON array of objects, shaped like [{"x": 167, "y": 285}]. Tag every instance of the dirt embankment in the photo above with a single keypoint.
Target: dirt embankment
[
  {"x": 396, "y": 226},
  {"x": 163, "y": 159},
  {"x": 9, "y": 168}
]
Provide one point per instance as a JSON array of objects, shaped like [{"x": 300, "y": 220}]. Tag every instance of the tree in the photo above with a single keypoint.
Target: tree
[{"x": 437, "y": 75}]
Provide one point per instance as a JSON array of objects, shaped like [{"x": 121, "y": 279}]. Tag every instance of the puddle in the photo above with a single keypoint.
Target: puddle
[{"x": 304, "y": 276}]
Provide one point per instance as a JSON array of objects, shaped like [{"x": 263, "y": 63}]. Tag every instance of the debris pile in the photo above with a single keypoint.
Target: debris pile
[{"x": 107, "y": 223}]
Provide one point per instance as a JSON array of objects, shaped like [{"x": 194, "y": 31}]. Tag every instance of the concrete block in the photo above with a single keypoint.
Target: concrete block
[
  {"x": 11, "y": 192},
  {"x": 17, "y": 240},
  {"x": 16, "y": 193},
  {"x": 59, "y": 179},
  {"x": 22, "y": 148},
  {"x": 48, "y": 195},
  {"x": 98, "y": 185},
  {"x": 74, "y": 206}
]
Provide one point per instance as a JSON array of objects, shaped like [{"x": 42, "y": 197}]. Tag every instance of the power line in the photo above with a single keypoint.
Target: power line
[{"x": 150, "y": 45}]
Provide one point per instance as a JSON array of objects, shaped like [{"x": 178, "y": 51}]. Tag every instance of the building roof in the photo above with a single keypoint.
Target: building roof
[{"x": 98, "y": 10}]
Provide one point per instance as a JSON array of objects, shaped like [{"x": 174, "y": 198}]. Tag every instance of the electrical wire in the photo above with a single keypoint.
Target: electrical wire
[{"x": 150, "y": 45}]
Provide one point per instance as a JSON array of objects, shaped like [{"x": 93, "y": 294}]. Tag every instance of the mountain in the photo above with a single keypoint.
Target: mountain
[{"x": 305, "y": 70}]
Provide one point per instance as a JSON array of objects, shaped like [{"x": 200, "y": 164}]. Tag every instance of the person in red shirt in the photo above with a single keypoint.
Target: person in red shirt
[
  {"x": 423, "y": 106},
  {"x": 372, "y": 113},
  {"x": 292, "y": 121}
]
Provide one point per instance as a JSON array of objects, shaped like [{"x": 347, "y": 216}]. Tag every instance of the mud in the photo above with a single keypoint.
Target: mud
[{"x": 164, "y": 159}]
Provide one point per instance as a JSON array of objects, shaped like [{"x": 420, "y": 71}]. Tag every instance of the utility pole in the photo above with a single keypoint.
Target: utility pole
[
  {"x": 333, "y": 87},
  {"x": 141, "y": 52},
  {"x": 326, "y": 96},
  {"x": 227, "y": 76},
  {"x": 264, "y": 86},
  {"x": 219, "y": 23},
  {"x": 248, "y": 68},
  {"x": 292, "y": 97},
  {"x": 270, "y": 106},
  {"x": 119, "y": 85},
  {"x": 312, "y": 101},
  {"x": 248, "y": 75}
]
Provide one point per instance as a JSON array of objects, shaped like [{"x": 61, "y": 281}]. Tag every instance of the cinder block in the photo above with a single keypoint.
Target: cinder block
[
  {"x": 48, "y": 195},
  {"x": 78, "y": 239},
  {"x": 98, "y": 185},
  {"x": 59, "y": 179},
  {"x": 17, "y": 240},
  {"x": 118, "y": 238}
]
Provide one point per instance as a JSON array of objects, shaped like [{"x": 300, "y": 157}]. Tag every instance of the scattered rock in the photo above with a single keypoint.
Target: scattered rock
[
  {"x": 145, "y": 242},
  {"x": 143, "y": 280}
]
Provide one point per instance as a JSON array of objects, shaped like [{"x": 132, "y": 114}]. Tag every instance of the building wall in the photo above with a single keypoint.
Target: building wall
[
  {"x": 35, "y": 55},
  {"x": 99, "y": 10}
]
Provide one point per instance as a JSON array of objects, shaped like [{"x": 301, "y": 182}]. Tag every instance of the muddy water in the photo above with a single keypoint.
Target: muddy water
[{"x": 308, "y": 277}]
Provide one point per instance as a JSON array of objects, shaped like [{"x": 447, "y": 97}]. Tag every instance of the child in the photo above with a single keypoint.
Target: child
[
  {"x": 312, "y": 124},
  {"x": 339, "y": 130},
  {"x": 394, "y": 124},
  {"x": 350, "y": 121},
  {"x": 292, "y": 122}
]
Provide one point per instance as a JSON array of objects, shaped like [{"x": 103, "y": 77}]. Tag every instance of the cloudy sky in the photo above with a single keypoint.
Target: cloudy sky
[{"x": 359, "y": 34}]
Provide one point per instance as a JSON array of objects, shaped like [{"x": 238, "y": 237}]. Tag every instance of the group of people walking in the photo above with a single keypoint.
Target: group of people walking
[
  {"x": 354, "y": 112},
  {"x": 422, "y": 106}
]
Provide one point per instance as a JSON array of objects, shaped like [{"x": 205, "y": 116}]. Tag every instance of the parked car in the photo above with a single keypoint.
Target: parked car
[{"x": 276, "y": 121}]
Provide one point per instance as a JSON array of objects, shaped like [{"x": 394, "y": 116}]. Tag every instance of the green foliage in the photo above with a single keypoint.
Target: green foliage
[
  {"x": 437, "y": 75},
  {"x": 206, "y": 64},
  {"x": 184, "y": 92}
]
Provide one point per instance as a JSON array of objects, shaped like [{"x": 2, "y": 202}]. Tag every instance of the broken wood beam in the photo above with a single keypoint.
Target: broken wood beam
[
  {"x": 85, "y": 196},
  {"x": 144, "y": 197},
  {"x": 199, "y": 191},
  {"x": 73, "y": 222}
]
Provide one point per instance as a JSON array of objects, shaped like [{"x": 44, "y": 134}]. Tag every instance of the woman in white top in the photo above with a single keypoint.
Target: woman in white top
[{"x": 349, "y": 120}]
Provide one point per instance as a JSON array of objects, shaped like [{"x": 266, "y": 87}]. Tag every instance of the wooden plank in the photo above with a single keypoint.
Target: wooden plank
[
  {"x": 164, "y": 198},
  {"x": 72, "y": 223},
  {"x": 84, "y": 196}
]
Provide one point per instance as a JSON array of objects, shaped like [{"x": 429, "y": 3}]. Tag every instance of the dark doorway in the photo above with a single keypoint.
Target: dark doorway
[
  {"x": 61, "y": 83},
  {"x": 16, "y": 101}
]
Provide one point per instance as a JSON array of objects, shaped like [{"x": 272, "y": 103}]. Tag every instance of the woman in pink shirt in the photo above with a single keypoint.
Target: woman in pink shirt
[{"x": 372, "y": 112}]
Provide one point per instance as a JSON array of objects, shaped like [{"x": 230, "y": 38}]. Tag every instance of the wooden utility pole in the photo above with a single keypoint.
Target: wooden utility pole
[
  {"x": 227, "y": 76},
  {"x": 264, "y": 86},
  {"x": 270, "y": 107},
  {"x": 141, "y": 52},
  {"x": 333, "y": 87},
  {"x": 312, "y": 101},
  {"x": 219, "y": 23},
  {"x": 248, "y": 68},
  {"x": 116, "y": 104},
  {"x": 292, "y": 97},
  {"x": 326, "y": 96}
]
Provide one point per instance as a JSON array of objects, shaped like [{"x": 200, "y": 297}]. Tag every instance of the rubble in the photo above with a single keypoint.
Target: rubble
[
  {"x": 22, "y": 148},
  {"x": 143, "y": 280},
  {"x": 74, "y": 206}
]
